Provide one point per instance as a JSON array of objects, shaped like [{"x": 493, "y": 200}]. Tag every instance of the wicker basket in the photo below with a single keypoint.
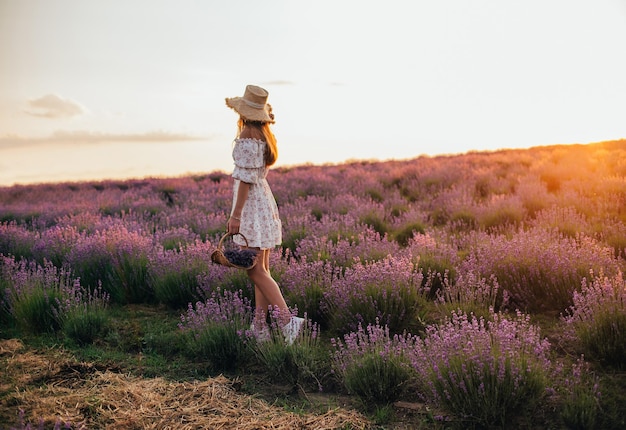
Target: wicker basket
[{"x": 219, "y": 256}]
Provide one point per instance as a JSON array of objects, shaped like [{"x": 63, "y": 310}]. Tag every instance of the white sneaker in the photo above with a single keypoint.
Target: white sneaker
[
  {"x": 292, "y": 329},
  {"x": 262, "y": 335}
]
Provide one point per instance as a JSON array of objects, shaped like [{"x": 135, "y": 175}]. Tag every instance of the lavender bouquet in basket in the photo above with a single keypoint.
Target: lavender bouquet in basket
[{"x": 241, "y": 258}]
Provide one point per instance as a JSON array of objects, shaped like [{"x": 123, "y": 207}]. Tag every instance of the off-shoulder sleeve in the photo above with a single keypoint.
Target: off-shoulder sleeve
[{"x": 248, "y": 155}]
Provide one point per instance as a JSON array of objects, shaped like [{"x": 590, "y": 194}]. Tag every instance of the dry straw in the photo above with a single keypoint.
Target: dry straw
[{"x": 50, "y": 387}]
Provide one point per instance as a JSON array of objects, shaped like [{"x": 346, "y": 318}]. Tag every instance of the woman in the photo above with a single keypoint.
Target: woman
[{"x": 254, "y": 212}]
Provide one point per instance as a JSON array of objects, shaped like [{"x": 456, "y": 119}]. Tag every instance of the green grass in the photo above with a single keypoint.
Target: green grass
[{"x": 144, "y": 340}]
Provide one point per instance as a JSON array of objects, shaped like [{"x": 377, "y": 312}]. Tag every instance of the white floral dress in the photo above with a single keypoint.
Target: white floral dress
[{"x": 260, "y": 222}]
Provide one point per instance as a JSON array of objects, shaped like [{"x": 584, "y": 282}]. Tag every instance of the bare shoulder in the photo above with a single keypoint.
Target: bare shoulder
[{"x": 251, "y": 133}]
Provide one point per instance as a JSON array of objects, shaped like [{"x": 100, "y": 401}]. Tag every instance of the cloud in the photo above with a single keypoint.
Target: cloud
[
  {"x": 54, "y": 107},
  {"x": 83, "y": 136},
  {"x": 89, "y": 136}
]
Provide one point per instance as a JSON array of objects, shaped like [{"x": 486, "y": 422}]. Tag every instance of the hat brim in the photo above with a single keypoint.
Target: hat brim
[{"x": 239, "y": 105}]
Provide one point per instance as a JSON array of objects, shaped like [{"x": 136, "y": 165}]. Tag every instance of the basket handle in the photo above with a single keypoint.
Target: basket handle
[{"x": 219, "y": 245}]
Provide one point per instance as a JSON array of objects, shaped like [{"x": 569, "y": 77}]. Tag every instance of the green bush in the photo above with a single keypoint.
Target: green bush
[
  {"x": 437, "y": 271},
  {"x": 598, "y": 318},
  {"x": 486, "y": 372},
  {"x": 117, "y": 259},
  {"x": 463, "y": 219},
  {"x": 218, "y": 330},
  {"x": 375, "y": 195},
  {"x": 581, "y": 404},
  {"x": 304, "y": 363},
  {"x": 84, "y": 326},
  {"x": 387, "y": 291},
  {"x": 37, "y": 311},
  {"x": 604, "y": 338},
  {"x": 372, "y": 364},
  {"x": 222, "y": 344},
  {"x": 176, "y": 288},
  {"x": 32, "y": 293},
  {"x": 5, "y": 314},
  {"x": 406, "y": 233},
  {"x": 309, "y": 300},
  {"x": 131, "y": 277},
  {"x": 375, "y": 221},
  {"x": 376, "y": 378},
  {"x": 173, "y": 275},
  {"x": 502, "y": 216},
  {"x": 491, "y": 395},
  {"x": 16, "y": 240}
]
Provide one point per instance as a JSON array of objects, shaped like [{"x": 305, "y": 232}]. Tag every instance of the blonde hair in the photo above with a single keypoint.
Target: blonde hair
[{"x": 262, "y": 131}]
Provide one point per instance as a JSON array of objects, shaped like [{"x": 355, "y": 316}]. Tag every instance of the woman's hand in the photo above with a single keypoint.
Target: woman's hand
[{"x": 232, "y": 227}]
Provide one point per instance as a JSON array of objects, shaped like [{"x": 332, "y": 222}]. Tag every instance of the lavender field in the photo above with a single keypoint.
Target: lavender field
[{"x": 485, "y": 289}]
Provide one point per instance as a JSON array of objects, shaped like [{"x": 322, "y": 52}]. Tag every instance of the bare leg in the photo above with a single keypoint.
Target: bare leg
[
  {"x": 260, "y": 308},
  {"x": 261, "y": 303},
  {"x": 266, "y": 260},
  {"x": 266, "y": 290}
]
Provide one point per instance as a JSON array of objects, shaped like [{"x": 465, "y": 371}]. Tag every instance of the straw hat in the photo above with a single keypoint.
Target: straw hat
[{"x": 253, "y": 106}]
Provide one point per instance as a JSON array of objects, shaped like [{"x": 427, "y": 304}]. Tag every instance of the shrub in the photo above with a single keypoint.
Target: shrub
[
  {"x": 484, "y": 372},
  {"x": 118, "y": 259},
  {"x": 463, "y": 219},
  {"x": 85, "y": 327},
  {"x": 130, "y": 253},
  {"x": 218, "y": 330},
  {"x": 388, "y": 291},
  {"x": 34, "y": 311},
  {"x": 473, "y": 294},
  {"x": 372, "y": 364},
  {"x": 539, "y": 268},
  {"x": 5, "y": 314},
  {"x": 54, "y": 244},
  {"x": 375, "y": 195},
  {"x": 435, "y": 273},
  {"x": 174, "y": 274},
  {"x": 614, "y": 234},
  {"x": 93, "y": 264},
  {"x": 375, "y": 221},
  {"x": 407, "y": 232},
  {"x": 567, "y": 221},
  {"x": 343, "y": 251},
  {"x": 436, "y": 260},
  {"x": 534, "y": 199},
  {"x": 304, "y": 363},
  {"x": 581, "y": 398},
  {"x": 598, "y": 317},
  {"x": 84, "y": 316},
  {"x": 46, "y": 299},
  {"x": 16, "y": 240},
  {"x": 175, "y": 238},
  {"x": 292, "y": 238},
  {"x": 398, "y": 209},
  {"x": 33, "y": 293},
  {"x": 304, "y": 285},
  {"x": 502, "y": 217},
  {"x": 221, "y": 278}
]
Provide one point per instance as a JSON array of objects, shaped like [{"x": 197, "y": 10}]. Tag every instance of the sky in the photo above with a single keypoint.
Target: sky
[{"x": 93, "y": 89}]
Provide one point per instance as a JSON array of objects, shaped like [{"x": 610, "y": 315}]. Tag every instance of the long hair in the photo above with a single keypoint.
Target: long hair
[{"x": 262, "y": 131}]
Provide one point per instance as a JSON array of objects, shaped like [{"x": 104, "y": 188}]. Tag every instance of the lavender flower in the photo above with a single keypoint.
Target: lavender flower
[
  {"x": 241, "y": 257},
  {"x": 598, "y": 318},
  {"x": 482, "y": 370}
]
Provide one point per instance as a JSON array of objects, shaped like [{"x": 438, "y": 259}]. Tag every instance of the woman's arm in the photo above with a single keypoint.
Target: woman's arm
[{"x": 235, "y": 219}]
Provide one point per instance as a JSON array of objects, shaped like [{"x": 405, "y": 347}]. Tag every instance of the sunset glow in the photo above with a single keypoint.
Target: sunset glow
[{"x": 347, "y": 80}]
